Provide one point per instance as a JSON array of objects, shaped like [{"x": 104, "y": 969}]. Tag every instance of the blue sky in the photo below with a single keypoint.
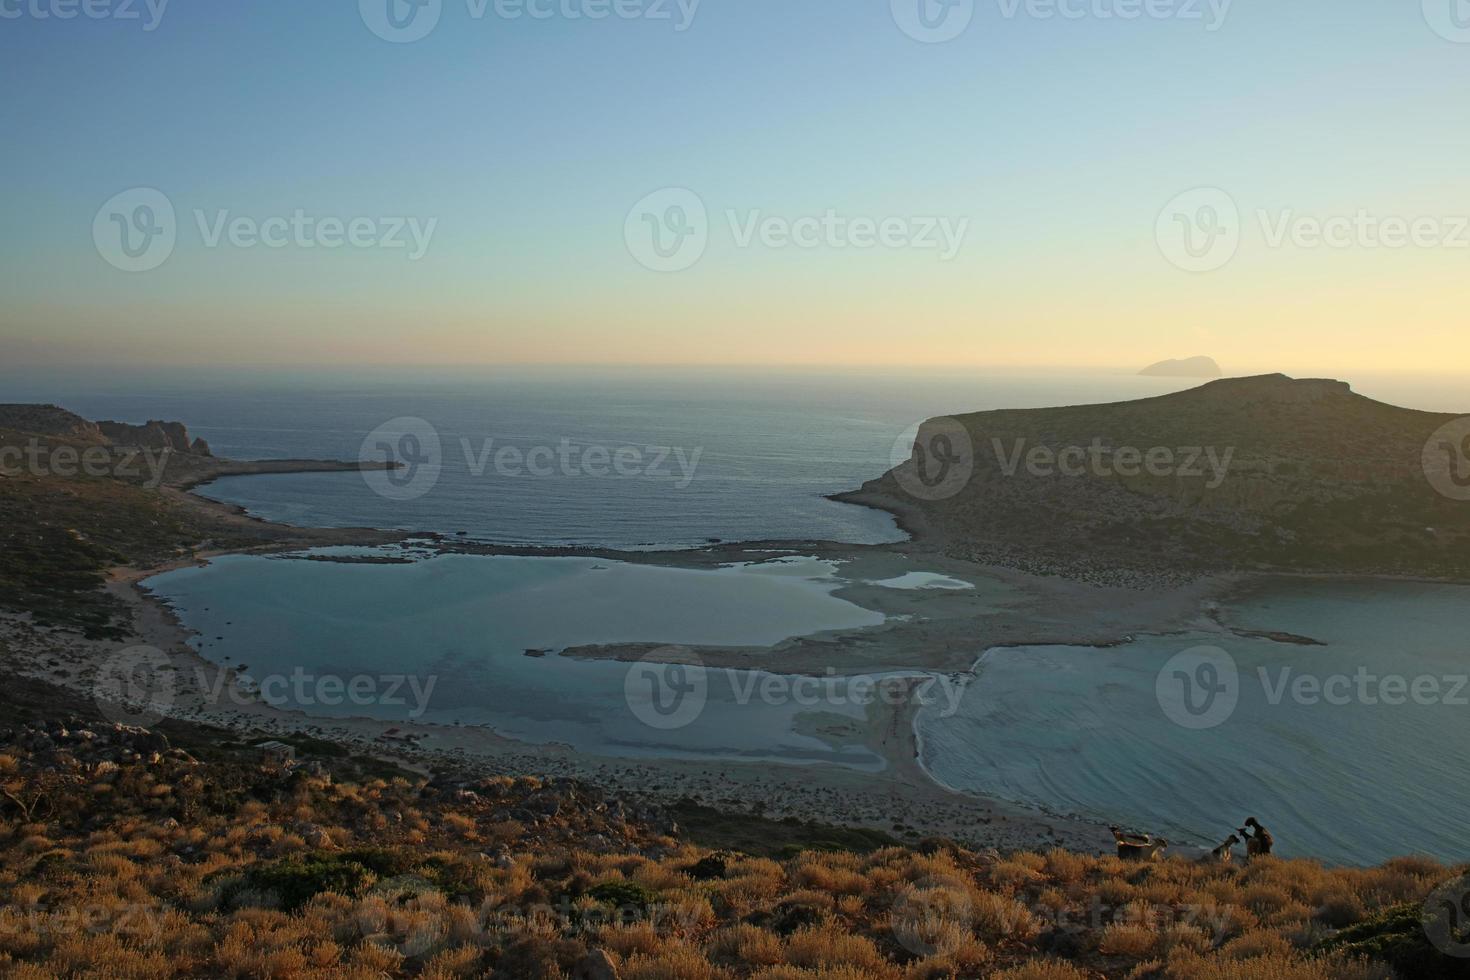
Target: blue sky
[{"x": 527, "y": 141}]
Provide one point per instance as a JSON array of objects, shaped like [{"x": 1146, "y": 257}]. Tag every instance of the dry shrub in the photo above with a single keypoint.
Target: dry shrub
[
  {"x": 1122, "y": 939},
  {"x": 997, "y": 917},
  {"x": 1339, "y": 910},
  {"x": 827, "y": 947},
  {"x": 1065, "y": 866},
  {"x": 1184, "y": 965},
  {"x": 798, "y": 973},
  {"x": 745, "y": 944},
  {"x": 1010, "y": 876},
  {"x": 833, "y": 881},
  {"x": 672, "y": 964},
  {"x": 1041, "y": 970},
  {"x": 968, "y": 958},
  {"x": 1255, "y": 943},
  {"x": 633, "y": 939}
]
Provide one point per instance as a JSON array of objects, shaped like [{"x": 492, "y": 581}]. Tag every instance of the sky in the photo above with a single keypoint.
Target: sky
[{"x": 947, "y": 183}]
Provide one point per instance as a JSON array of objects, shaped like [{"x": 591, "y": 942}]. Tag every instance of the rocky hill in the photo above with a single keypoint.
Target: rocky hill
[
  {"x": 50, "y": 420},
  {"x": 54, "y": 421},
  {"x": 1245, "y": 473}
]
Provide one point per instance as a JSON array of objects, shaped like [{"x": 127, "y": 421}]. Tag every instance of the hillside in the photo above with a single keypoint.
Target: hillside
[
  {"x": 74, "y": 503},
  {"x": 179, "y": 852},
  {"x": 1263, "y": 473}
]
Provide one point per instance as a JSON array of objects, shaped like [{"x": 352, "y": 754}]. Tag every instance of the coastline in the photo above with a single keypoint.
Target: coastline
[
  {"x": 929, "y": 630},
  {"x": 902, "y": 798}
]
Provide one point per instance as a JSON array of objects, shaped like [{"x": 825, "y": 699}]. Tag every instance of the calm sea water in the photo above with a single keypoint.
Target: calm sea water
[
  {"x": 748, "y": 455},
  {"x": 461, "y": 626},
  {"x": 1353, "y": 778}
]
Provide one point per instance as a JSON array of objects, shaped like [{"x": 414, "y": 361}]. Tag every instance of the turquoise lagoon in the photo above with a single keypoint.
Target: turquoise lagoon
[
  {"x": 465, "y": 623},
  {"x": 1348, "y": 778}
]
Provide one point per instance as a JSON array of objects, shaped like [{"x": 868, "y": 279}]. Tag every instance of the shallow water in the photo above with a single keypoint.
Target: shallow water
[
  {"x": 465, "y": 623},
  {"x": 1083, "y": 730}
]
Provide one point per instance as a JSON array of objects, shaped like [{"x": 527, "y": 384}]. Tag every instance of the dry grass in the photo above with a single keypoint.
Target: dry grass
[{"x": 216, "y": 878}]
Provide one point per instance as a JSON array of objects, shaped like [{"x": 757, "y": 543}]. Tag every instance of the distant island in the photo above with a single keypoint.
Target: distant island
[{"x": 1188, "y": 367}]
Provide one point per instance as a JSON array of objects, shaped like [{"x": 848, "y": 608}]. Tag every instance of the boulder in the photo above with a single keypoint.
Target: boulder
[{"x": 596, "y": 965}]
